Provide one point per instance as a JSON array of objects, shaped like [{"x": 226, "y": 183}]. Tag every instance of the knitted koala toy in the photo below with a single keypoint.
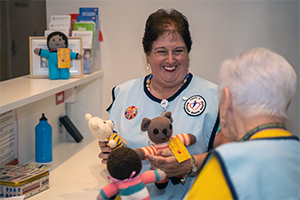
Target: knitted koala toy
[
  {"x": 104, "y": 131},
  {"x": 124, "y": 166},
  {"x": 160, "y": 131}
]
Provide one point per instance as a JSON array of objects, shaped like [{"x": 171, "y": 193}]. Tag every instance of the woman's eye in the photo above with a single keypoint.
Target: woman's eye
[
  {"x": 162, "y": 52},
  {"x": 177, "y": 52}
]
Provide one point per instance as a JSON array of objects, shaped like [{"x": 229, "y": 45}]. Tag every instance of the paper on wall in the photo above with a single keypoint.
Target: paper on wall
[{"x": 8, "y": 137}]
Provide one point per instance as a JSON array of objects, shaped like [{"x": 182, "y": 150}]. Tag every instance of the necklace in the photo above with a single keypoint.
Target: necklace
[
  {"x": 259, "y": 128},
  {"x": 148, "y": 82}
]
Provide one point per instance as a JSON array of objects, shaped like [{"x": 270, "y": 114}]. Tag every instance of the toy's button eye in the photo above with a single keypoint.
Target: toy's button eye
[
  {"x": 155, "y": 131},
  {"x": 104, "y": 122},
  {"x": 165, "y": 131},
  {"x": 171, "y": 126}
]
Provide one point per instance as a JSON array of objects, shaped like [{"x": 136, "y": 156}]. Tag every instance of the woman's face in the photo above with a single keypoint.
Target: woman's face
[{"x": 169, "y": 60}]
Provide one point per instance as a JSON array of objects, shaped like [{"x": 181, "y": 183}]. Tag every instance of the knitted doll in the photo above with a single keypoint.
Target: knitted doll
[
  {"x": 56, "y": 40},
  {"x": 124, "y": 166},
  {"x": 160, "y": 131},
  {"x": 103, "y": 130}
]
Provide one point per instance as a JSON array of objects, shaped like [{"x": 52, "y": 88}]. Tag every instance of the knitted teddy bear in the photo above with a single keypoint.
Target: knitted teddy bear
[
  {"x": 103, "y": 130},
  {"x": 160, "y": 131},
  {"x": 55, "y": 41},
  {"x": 124, "y": 166}
]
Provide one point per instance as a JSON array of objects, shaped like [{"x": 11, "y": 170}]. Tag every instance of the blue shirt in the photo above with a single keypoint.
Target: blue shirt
[{"x": 194, "y": 110}]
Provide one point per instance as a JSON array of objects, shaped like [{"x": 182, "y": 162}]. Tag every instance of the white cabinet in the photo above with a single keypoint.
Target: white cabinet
[{"x": 32, "y": 97}]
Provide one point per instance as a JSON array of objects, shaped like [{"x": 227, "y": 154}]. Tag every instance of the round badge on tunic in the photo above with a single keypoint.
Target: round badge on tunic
[
  {"x": 195, "y": 105},
  {"x": 131, "y": 112}
]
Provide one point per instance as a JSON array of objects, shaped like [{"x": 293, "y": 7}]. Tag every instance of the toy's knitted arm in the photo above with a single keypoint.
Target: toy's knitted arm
[
  {"x": 115, "y": 141},
  {"x": 143, "y": 151},
  {"x": 107, "y": 192},
  {"x": 76, "y": 56},
  {"x": 186, "y": 138},
  {"x": 152, "y": 176},
  {"x": 42, "y": 52},
  {"x": 37, "y": 51}
]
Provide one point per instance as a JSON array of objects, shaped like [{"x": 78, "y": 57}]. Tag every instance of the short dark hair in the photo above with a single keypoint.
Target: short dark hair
[
  {"x": 65, "y": 38},
  {"x": 161, "y": 22}
]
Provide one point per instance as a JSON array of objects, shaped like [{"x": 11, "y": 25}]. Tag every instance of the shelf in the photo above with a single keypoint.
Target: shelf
[{"x": 20, "y": 91}]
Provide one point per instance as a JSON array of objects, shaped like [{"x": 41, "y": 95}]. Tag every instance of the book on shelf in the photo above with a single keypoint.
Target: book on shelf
[
  {"x": 87, "y": 44},
  {"x": 89, "y": 11},
  {"x": 60, "y": 23},
  {"x": 73, "y": 20},
  {"x": 86, "y": 28}
]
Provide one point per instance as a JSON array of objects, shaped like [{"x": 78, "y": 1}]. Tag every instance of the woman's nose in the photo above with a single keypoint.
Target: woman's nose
[{"x": 170, "y": 58}]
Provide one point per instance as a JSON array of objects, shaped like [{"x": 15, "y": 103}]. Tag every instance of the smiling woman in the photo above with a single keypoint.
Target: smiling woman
[
  {"x": 193, "y": 101},
  {"x": 169, "y": 62}
]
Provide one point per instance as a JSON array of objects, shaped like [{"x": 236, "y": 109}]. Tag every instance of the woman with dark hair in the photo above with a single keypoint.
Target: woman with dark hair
[{"x": 170, "y": 86}]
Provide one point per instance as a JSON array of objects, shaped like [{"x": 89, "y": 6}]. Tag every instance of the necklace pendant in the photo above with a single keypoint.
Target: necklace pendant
[{"x": 164, "y": 104}]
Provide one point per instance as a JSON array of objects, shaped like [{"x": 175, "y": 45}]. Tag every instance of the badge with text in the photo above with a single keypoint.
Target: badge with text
[
  {"x": 179, "y": 150},
  {"x": 131, "y": 112},
  {"x": 195, "y": 105},
  {"x": 63, "y": 58}
]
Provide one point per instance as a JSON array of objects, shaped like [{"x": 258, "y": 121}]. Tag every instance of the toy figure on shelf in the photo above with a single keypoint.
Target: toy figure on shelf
[
  {"x": 124, "y": 166},
  {"x": 160, "y": 132},
  {"x": 104, "y": 131},
  {"x": 59, "y": 55}
]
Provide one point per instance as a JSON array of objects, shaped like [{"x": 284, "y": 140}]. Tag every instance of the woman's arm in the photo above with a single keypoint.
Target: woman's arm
[{"x": 168, "y": 162}]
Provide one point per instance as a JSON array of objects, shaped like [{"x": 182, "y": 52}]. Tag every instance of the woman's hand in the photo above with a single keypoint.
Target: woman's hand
[
  {"x": 168, "y": 163},
  {"x": 105, "y": 151}
]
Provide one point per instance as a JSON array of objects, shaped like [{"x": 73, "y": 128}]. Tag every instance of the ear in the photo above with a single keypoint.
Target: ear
[
  {"x": 227, "y": 100},
  {"x": 147, "y": 58},
  {"x": 145, "y": 124},
  {"x": 169, "y": 116},
  {"x": 287, "y": 106},
  {"x": 88, "y": 116}
]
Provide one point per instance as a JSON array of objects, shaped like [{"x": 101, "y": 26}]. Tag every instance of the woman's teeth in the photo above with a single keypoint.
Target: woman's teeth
[{"x": 170, "y": 68}]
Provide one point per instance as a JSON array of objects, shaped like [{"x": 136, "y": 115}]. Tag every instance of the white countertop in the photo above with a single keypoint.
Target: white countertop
[{"x": 80, "y": 176}]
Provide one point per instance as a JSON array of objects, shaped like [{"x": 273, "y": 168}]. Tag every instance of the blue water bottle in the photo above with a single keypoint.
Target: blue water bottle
[{"x": 43, "y": 141}]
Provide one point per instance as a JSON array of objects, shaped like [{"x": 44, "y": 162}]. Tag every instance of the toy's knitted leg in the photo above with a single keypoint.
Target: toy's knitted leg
[
  {"x": 162, "y": 184},
  {"x": 64, "y": 73},
  {"x": 53, "y": 71},
  {"x": 176, "y": 180}
]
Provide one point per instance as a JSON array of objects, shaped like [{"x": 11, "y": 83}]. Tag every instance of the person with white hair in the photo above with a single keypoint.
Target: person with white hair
[{"x": 262, "y": 161}]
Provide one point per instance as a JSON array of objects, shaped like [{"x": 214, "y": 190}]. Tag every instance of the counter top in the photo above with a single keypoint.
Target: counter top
[
  {"x": 20, "y": 91},
  {"x": 80, "y": 176}
]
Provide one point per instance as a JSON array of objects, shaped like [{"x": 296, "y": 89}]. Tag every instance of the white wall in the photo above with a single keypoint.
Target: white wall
[
  {"x": 220, "y": 29},
  {"x": 28, "y": 117}
]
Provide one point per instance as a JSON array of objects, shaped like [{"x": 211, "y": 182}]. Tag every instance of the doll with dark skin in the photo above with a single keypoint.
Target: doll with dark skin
[
  {"x": 124, "y": 167},
  {"x": 56, "y": 40},
  {"x": 160, "y": 131}
]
